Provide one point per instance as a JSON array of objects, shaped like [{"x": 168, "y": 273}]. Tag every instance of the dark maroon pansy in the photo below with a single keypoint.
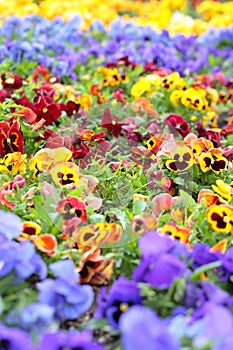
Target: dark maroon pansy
[{"x": 178, "y": 123}]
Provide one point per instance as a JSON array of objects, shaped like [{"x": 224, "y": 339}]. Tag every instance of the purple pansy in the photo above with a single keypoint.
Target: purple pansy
[
  {"x": 201, "y": 255},
  {"x": 22, "y": 259},
  {"x": 159, "y": 266},
  {"x": 33, "y": 318},
  {"x": 141, "y": 329},
  {"x": 68, "y": 340},
  {"x": 64, "y": 293},
  {"x": 10, "y": 225},
  {"x": 218, "y": 323},
  {"x": 121, "y": 296},
  {"x": 28, "y": 261},
  {"x": 14, "y": 339}
]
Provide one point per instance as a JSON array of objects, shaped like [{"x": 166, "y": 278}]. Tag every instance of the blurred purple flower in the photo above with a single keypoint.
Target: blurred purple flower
[
  {"x": 160, "y": 271},
  {"x": 159, "y": 266},
  {"x": 10, "y": 225},
  {"x": 142, "y": 329},
  {"x": 7, "y": 257},
  {"x": 201, "y": 255},
  {"x": 197, "y": 294},
  {"x": 227, "y": 260},
  {"x": 22, "y": 258},
  {"x": 121, "y": 296},
  {"x": 218, "y": 323},
  {"x": 33, "y": 318},
  {"x": 14, "y": 339},
  {"x": 70, "y": 340},
  {"x": 152, "y": 244},
  {"x": 28, "y": 262},
  {"x": 64, "y": 293}
]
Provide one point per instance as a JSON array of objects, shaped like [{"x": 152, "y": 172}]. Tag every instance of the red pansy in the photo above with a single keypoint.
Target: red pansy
[
  {"x": 11, "y": 81},
  {"x": 177, "y": 122},
  {"x": 11, "y": 137},
  {"x": 111, "y": 123}
]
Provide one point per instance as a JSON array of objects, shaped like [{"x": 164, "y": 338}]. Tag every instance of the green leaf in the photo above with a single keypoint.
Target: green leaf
[
  {"x": 188, "y": 200},
  {"x": 139, "y": 206}
]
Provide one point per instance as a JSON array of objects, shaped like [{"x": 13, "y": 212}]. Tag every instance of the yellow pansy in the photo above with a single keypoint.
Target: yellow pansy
[
  {"x": 65, "y": 173},
  {"x": 220, "y": 218},
  {"x": 139, "y": 88},
  {"x": 17, "y": 161},
  {"x": 85, "y": 101},
  {"x": 224, "y": 190},
  {"x": 46, "y": 158}
]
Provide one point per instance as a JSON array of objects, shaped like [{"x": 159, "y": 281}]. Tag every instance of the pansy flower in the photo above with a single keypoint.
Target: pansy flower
[
  {"x": 27, "y": 114},
  {"x": 95, "y": 90},
  {"x": 122, "y": 295},
  {"x": 93, "y": 268},
  {"x": 173, "y": 80},
  {"x": 14, "y": 338},
  {"x": 49, "y": 112},
  {"x": 195, "y": 98},
  {"x": 70, "y": 228},
  {"x": 11, "y": 81},
  {"x": 209, "y": 134},
  {"x": 88, "y": 236},
  {"x": 17, "y": 161},
  {"x": 212, "y": 160},
  {"x": 65, "y": 174},
  {"x": 142, "y": 156},
  {"x": 72, "y": 340},
  {"x": 157, "y": 180},
  {"x": 176, "y": 96},
  {"x": 45, "y": 90},
  {"x": 71, "y": 108},
  {"x": 85, "y": 101},
  {"x": 178, "y": 123},
  {"x": 40, "y": 72},
  {"x": 143, "y": 223},
  {"x": 11, "y": 137},
  {"x": 97, "y": 234},
  {"x": 182, "y": 159},
  {"x": 209, "y": 197},
  {"x": 220, "y": 218},
  {"x": 140, "y": 87},
  {"x": 111, "y": 123},
  {"x": 224, "y": 190},
  {"x": 143, "y": 105},
  {"x": 178, "y": 215},
  {"x": 81, "y": 151},
  {"x": 154, "y": 143},
  {"x": 112, "y": 230},
  {"x": 161, "y": 202},
  {"x": 46, "y": 158},
  {"x": 46, "y": 243},
  {"x": 4, "y": 198},
  {"x": 90, "y": 135},
  {"x": 201, "y": 145},
  {"x": 72, "y": 207},
  {"x": 119, "y": 95},
  {"x": 111, "y": 77},
  {"x": 176, "y": 232},
  {"x": 30, "y": 228}
]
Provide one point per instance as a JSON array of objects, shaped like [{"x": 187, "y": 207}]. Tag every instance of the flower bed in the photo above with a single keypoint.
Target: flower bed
[{"x": 116, "y": 183}]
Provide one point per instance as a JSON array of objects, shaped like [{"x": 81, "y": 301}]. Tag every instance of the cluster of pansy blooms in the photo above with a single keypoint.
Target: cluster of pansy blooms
[
  {"x": 181, "y": 292},
  {"x": 176, "y": 16},
  {"x": 70, "y": 51},
  {"x": 116, "y": 186}
]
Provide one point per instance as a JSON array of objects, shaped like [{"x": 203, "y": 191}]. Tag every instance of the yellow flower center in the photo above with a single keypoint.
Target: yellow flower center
[{"x": 123, "y": 307}]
